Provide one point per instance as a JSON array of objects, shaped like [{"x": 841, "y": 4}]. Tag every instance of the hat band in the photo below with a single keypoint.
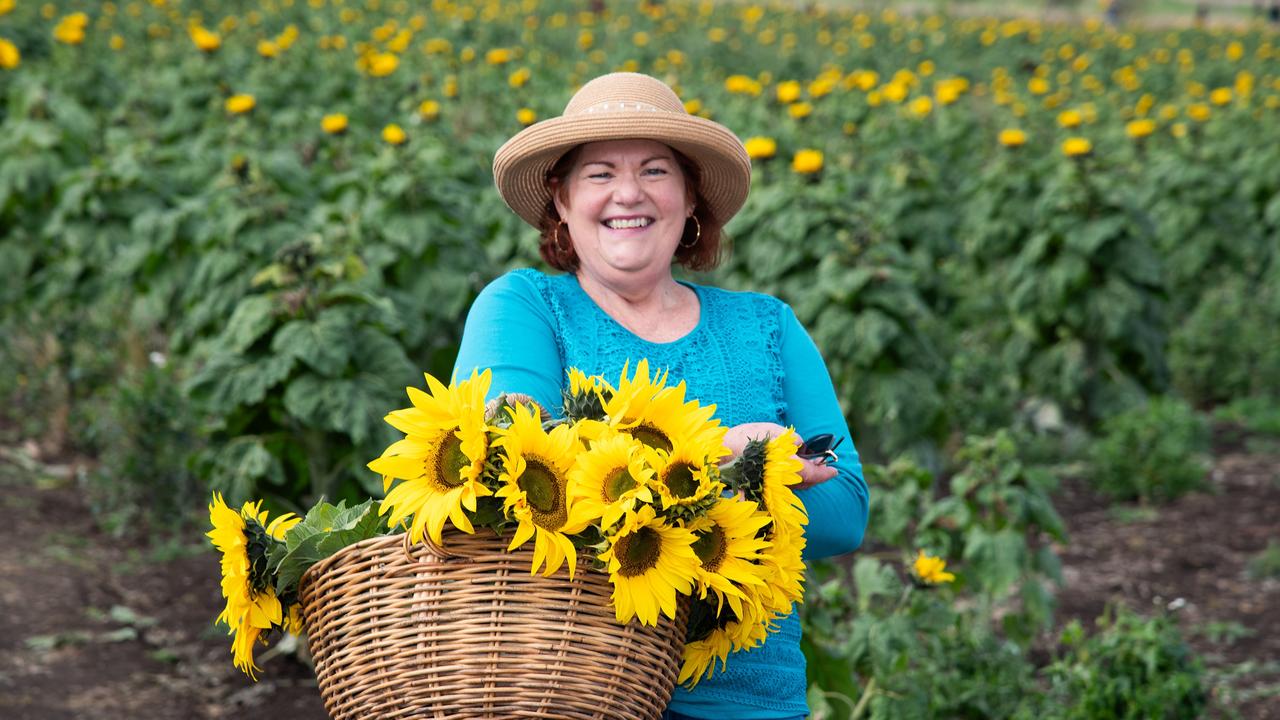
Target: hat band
[{"x": 622, "y": 106}]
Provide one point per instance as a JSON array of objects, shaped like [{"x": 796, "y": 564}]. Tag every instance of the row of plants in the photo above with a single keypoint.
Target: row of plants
[{"x": 236, "y": 231}]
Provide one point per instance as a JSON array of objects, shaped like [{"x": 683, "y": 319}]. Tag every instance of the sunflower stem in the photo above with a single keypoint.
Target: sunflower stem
[{"x": 864, "y": 700}]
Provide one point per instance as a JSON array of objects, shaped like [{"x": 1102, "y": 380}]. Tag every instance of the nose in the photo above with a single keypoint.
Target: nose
[{"x": 627, "y": 190}]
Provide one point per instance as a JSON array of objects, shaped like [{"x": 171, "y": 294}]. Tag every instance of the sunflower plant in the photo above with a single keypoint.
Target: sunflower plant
[{"x": 628, "y": 481}]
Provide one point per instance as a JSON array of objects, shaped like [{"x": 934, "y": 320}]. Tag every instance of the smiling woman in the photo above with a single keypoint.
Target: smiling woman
[{"x": 623, "y": 186}]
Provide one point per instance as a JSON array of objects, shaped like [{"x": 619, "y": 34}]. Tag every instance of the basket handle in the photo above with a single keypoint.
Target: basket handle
[{"x": 432, "y": 548}]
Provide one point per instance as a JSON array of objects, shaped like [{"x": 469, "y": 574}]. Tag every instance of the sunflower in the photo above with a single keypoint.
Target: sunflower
[
  {"x": 782, "y": 469},
  {"x": 585, "y": 398},
  {"x": 688, "y": 480},
  {"x": 784, "y": 571},
  {"x": 252, "y": 607},
  {"x": 440, "y": 460},
  {"x": 612, "y": 477},
  {"x": 729, "y": 550},
  {"x": 649, "y": 562},
  {"x": 535, "y": 488},
  {"x": 701, "y": 655},
  {"x": 658, "y": 415}
]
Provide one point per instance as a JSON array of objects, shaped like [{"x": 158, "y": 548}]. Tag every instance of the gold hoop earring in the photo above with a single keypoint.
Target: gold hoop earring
[
  {"x": 561, "y": 249},
  {"x": 697, "y": 234}
]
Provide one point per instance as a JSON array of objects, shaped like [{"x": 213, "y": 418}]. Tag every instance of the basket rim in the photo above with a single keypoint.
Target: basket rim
[{"x": 400, "y": 538}]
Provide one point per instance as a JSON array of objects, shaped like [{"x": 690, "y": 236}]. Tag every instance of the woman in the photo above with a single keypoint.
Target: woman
[{"x": 622, "y": 185}]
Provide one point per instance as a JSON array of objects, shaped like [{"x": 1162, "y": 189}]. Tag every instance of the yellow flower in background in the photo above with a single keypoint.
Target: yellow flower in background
[
  {"x": 440, "y": 459},
  {"x": 1220, "y": 96},
  {"x": 393, "y": 134},
  {"x": 1076, "y": 147},
  {"x": 240, "y": 103},
  {"x": 1198, "y": 112},
  {"x": 787, "y": 91},
  {"x": 6, "y": 6},
  {"x": 693, "y": 106},
  {"x": 451, "y": 86},
  {"x": 807, "y": 162},
  {"x": 10, "y": 58},
  {"x": 894, "y": 92},
  {"x": 1069, "y": 119},
  {"x": 526, "y": 116},
  {"x": 1012, "y": 137},
  {"x": 268, "y": 49},
  {"x": 761, "y": 148},
  {"x": 1138, "y": 129},
  {"x": 1038, "y": 85},
  {"x": 116, "y": 42},
  {"x": 1235, "y": 50},
  {"x": 921, "y": 106},
  {"x": 334, "y": 123},
  {"x": 519, "y": 78},
  {"x": 204, "y": 39},
  {"x": 742, "y": 85},
  {"x": 800, "y": 110},
  {"x": 649, "y": 562},
  {"x": 1178, "y": 130},
  {"x": 70, "y": 31},
  {"x": 429, "y": 110},
  {"x": 383, "y": 64},
  {"x": 931, "y": 570},
  {"x": 498, "y": 56}
]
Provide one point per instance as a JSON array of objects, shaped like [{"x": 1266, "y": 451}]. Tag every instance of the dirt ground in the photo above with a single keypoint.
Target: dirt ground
[{"x": 100, "y": 628}]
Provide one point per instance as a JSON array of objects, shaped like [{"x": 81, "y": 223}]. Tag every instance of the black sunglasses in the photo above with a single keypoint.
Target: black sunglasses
[{"x": 820, "y": 448}]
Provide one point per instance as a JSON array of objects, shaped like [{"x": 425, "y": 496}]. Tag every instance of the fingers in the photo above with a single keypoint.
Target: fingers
[{"x": 812, "y": 473}]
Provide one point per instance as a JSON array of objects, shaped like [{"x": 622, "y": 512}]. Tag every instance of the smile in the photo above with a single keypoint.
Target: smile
[{"x": 628, "y": 223}]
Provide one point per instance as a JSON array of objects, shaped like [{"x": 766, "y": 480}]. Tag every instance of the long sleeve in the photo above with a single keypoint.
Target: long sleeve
[
  {"x": 837, "y": 508},
  {"x": 510, "y": 331}
]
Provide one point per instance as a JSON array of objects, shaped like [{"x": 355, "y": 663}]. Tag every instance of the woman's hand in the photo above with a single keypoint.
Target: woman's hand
[{"x": 811, "y": 473}]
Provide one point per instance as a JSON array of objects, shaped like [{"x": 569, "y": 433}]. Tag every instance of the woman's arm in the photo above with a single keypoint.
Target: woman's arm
[
  {"x": 510, "y": 331},
  {"x": 838, "y": 507}
]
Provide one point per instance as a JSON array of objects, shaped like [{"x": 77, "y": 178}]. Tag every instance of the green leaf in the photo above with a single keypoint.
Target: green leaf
[
  {"x": 324, "y": 344},
  {"x": 252, "y": 318},
  {"x": 324, "y": 531}
]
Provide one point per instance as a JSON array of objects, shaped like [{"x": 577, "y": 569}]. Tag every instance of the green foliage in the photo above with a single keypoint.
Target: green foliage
[
  {"x": 1228, "y": 347},
  {"x": 1153, "y": 453},
  {"x": 1266, "y": 564},
  {"x": 1255, "y": 414},
  {"x": 325, "y": 530},
  {"x": 896, "y": 650},
  {"x": 996, "y": 521},
  {"x": 145, "y": 437},
  {"x": 1133, "y": 668}
]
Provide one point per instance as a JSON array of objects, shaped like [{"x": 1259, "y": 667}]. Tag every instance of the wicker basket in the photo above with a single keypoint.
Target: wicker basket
[{"x": 421, "y": 632}]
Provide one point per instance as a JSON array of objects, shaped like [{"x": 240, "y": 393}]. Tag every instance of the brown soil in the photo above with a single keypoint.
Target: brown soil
[{"x": 99, "y": 628}]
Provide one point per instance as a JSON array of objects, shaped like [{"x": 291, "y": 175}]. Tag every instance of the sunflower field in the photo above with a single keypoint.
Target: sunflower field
[{"x": 233, "y": 232}]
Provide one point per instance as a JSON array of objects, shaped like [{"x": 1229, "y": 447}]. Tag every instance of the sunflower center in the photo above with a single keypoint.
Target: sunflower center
[
  {"x": 711, "y": 547},
  {"x": 638, "y": 552},
  {"x": 651, "y": 436},
  {"x": 543, "y": 491},
  {"x": 618, "y": 482},
  {"x": 450, "y": 461},
  {"x": 680, "y": 480}
]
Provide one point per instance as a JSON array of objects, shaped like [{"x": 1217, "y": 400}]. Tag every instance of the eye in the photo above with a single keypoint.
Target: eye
[
  {"x": 655, "y": 171},
  {"x": 602, "y": 175}
]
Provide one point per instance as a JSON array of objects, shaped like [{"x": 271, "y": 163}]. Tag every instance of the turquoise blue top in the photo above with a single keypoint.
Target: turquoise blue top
[{"x": 751, "y": 357}]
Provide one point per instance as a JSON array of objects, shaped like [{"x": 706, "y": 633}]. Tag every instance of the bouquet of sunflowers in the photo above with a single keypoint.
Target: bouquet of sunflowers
[{"x": 629, "y": 478}]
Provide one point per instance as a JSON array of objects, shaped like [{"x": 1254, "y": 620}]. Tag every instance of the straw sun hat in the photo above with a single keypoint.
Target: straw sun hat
[{"x": 622, "y": 106}]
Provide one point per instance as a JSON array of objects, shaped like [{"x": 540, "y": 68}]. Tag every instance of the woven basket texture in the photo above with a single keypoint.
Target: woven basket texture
[{"x": 465, "y": 631}]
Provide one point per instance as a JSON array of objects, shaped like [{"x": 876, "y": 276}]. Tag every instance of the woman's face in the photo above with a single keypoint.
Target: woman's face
[{"x": 626, "y": 208}]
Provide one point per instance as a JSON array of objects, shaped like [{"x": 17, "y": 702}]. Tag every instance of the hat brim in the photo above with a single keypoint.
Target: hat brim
[{"x": 521, "y": 165}]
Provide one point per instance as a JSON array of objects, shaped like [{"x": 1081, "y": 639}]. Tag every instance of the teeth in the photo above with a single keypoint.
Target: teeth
[{"x": 632, "y": 223}]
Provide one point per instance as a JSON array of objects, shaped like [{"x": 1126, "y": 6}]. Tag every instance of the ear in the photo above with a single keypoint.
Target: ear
[{"x": 557, "y": 197}]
